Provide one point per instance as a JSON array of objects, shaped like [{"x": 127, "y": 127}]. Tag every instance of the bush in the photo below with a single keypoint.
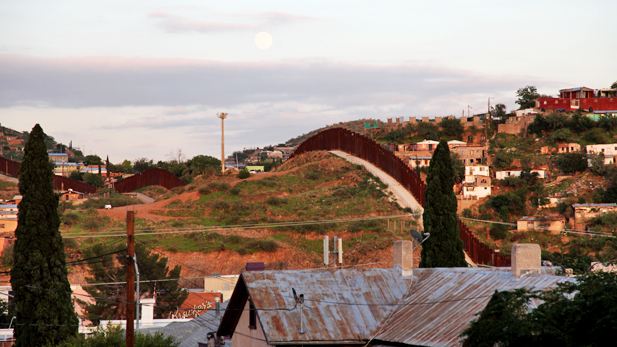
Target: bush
[
  {"x": 7, "y": 256},
  {"x": 234, "y": 191},
  {"x": 244, "y": 173},
  {"x": 313, "y": 175},
  {"x": 512, "y": 181},
  {"x": 242, "y": 251},
  {"x": 92, "y": 224},
  {"x": 498, "y": 231},
  {"x": 204, "y": 190},
  {"x": 263, "y": 245},
  {"x": 114, "y": 336},
  {"x": 70, "y": 243},
  {"x": 275, "y": 201},
  {"x": 220, "y": 205},
  {"x": 467, "y": 213},
  {"x": 70, "y": 218},
  {"x": 561, "y": 135},
  {"x": 572, "y": 162},
  {"x": 234, "y": 239}
]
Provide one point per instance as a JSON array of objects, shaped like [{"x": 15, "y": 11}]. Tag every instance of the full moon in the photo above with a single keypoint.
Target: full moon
[{"x": 263, "y": 40}]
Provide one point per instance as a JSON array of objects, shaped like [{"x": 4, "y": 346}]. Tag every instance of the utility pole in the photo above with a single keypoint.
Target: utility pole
[
  {"x": 486, "y": 120},
  {"x": 222, "y": 116},
  {"x": 130, "y": 278}
]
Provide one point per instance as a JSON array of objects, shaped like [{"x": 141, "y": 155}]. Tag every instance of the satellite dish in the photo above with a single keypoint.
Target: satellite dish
[{"x": 416, "y": 235}]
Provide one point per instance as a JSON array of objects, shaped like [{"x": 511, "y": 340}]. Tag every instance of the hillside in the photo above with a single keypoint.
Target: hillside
[
  {"x": 355, "y": 126},
  {"x": 222, "y": 222}
]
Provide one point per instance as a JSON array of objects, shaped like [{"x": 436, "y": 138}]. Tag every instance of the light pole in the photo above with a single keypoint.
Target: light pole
[{"x": 222, "y": 116}]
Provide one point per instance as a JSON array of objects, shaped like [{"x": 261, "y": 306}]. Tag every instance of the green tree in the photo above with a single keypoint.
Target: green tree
[
  {"x": 93, "y": 179},
  {"x": 572, "y": 162},
  {"x": 244, "y": 173},
  {"x": 151, "y": 267},
  {"x": 561, "y": 135},
  {"x": 200, "y": 163},
  {"x": 142, "y": 164},
  {"x": 499, "y": 112},
  {"x": 503, "y": 159},
  {"x": 597, "y": 164},
  {"x": 92, "y": 160},
  {"x": 452, "y": 127},
  {"x": 428, "y": 131},
  {"x": 458, "y": 167},
  {"x": 580, "y": 313},
  {"x": 526, "y": 97},
  {"x": 76, "y": 175},
  {"x": 444, "y": 247},
  {"x": 41, "y": 289}
]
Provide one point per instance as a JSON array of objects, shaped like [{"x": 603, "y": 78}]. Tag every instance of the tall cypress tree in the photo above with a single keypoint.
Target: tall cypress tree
[
  {"x": 43, "y": 304},
  {"x": 444, "y": 248}
]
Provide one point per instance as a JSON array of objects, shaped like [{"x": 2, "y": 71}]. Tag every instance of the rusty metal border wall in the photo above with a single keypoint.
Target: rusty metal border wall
[
  {"x": 151, "y": 177},
  {"x": 9, "y": 167},
  {"x": 367, "y": 149},
  {"x": 64, "y": 183}
]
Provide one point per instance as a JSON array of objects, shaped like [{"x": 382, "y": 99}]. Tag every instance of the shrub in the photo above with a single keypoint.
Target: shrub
[
  {"x": 177, "y": 223},
  {"x": 244, "y": 173},
  {"x": 213, "y": 236},
  {"x": 313, "y": 175},
  {"x": 204, "y": 190},
  {"x": 241, "y": 251},
  {"x": 512, "y": 181},
  {"x": 264, "y": 245},
  {"x": 7, "y": 256},
  {"x": 561, "y": 135},
  {"x": 70, "y": 243},
  {"x": 572, "y": 162},
  {"x": 92, "y": 224},
  {"x": 220, "y": 205},
  {"x": 234, "y": 191},
  {"x": 275, "y": 201},
  {"x": 467, "y": 213},
  {"x": 235, "y": 239},
  {"x": 498, "y": 231},
  {"x": 70, "y": 218}
]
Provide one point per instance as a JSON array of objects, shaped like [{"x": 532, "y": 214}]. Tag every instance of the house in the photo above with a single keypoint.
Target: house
[
  {"x": 516, "y": 125},
  {"x": 71, "y": 195},
  {"x": 568, "y": 148},
  {"x": 471, "y": 154},
  {"x": 426, "y": 145},
  {"x": 580, "y": 98},
  {"x": 8, "y": 218},
  {"x": 477, "y": 183},
  {"x": 59, "y": 157},
  {"x": 420, "y": 159},
  {"x": 455, "y": 143},
  {"x": 587, "y": 211},
  {"x": 399, "y": 306},
  {"x": 501, "y": 174},
  {"x": 553, "y": 224},
  {"x": 224, "y": 284},
  {"x": 65, "y": 168},
  {"x": 607, "y": 150}
]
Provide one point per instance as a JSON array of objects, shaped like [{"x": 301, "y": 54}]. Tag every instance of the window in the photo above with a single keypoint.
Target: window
[
  {"x": 2, "y": 226},
  {"x": 225, "y": 286},
  {"x": 544, "y": 102},
  {"x": 252, "y": 316}
]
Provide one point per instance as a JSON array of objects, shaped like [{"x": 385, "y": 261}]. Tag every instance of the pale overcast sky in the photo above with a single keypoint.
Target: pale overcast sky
[{"x": 134, "y": 79}]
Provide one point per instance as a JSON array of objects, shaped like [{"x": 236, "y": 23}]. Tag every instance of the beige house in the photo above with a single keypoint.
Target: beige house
[
  {"x": 568, "y": 147},
  {"x": 8, "y": 218},
  {"x": 470, "y": 155},
  {"x": 224, "y": 284},
  {"x": 587, "y": 211},
  {"x": 553, "y": 224}
]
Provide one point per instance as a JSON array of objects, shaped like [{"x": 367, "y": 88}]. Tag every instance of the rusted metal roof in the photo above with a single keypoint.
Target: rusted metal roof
[
  {"x": 443, "y": 301},
  {"x": 341, "y": 306}
]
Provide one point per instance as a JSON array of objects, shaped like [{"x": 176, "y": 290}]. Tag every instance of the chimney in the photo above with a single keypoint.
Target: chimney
[
  {"x": 256, "y": 266},
  {"x": 403, "y": 257},
  {"x": 147, "y": 312},
  {"x": 526, "y": 258}
]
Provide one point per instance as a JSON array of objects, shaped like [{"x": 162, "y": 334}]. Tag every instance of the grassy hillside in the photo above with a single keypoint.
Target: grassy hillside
[{"x": 265, "y": 215}]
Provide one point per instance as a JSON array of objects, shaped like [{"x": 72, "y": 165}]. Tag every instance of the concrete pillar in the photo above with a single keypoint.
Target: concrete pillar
[
  {"x": 526, "y": 258},
  {"x": 403, "y": 257},
  {"x": 147, "y": 312}
]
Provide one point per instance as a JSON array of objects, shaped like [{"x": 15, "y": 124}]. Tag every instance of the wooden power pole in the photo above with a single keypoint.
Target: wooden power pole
[
  {"x": 222, "y": 116},
  {"x": 130, "y": 278}
]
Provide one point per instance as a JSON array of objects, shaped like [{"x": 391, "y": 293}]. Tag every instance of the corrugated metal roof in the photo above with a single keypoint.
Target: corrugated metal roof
[
  {"x": 442, "y": 301},
  {"x": 340, "y": 305}
]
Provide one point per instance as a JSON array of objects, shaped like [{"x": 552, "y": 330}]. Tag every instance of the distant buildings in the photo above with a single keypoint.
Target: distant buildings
[{"x": 601, "y": 101}]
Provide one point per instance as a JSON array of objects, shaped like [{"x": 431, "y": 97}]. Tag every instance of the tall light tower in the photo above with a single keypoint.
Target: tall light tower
[{"x": 222, "y": 116}]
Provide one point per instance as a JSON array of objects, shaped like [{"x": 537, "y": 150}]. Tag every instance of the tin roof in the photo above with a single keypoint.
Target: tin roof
[
  {"x": 340, "y": 305},
  {"x": 442, "y": 301},
  {"x": 595, "y": 205}
]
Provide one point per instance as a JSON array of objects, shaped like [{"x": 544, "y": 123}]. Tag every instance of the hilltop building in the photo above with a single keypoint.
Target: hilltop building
[{"x": 601, "y": 101}]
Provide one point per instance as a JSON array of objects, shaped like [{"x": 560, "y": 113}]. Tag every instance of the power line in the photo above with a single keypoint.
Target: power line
[{"x": 571, "y": 231}]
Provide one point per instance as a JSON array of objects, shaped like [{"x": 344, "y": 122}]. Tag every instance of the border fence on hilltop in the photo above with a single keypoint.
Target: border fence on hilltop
[
  {"x": 367, "y": 149},
  {"x": 151, "y": 177}
]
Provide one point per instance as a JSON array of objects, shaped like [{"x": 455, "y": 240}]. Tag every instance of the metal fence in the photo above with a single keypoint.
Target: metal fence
[
  {"x": 151, "y": 177},
  {"x": 367, "y": 149},
  {"x": 9, "y": 167}
]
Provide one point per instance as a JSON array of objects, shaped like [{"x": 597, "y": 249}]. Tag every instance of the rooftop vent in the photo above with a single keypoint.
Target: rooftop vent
[
  {"x": 526, "y": 259},
  {"x": 256, "y": 266}
]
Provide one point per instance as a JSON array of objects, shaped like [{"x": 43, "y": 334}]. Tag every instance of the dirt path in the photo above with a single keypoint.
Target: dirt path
[{"x": 146, "y": 210}]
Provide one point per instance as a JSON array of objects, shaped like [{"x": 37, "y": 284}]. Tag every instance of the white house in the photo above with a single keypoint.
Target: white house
[
  {"x": 477, "y": 182},
  {"x": 607, "y": 149},
  {"x": 517, "y": 172}
]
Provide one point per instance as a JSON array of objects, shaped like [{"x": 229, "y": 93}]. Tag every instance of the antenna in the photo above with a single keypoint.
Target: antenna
[
  {"x": 300, "y": 300},
  {"x": 338, "y": 251},
  {"x": 326, "y": 251},
  {"x": 418, "y": 237}
]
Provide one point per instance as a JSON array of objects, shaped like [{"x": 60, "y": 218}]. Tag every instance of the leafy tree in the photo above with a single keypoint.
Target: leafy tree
[
  {"x": 41, "y": 289},
  {"x": 92, "y": 160},
  {"x": 428, "y": 131},
  {"x": 76, "y": 175},
  {"x": 556, "y": 120},
  {"x": 93, "y": 179},
  {"x": 458, "y": 167},
  {"x": 444, "y": 247},
  {"x": 579, "y": 123},
  {"x": 596, "y": 135},
  {"x": 538, "y": 126},
  {"x": 452, "y": 127},
  {"x": 512, "y": 203},
  {"x": 572, "y": 162},
  {"x": 499, "y": 112},
  {"x": 151, "y": 267},
  {"x": 597, "y": 164},
  {"x": 126, "y": 166},
  {"x": 526, "y": 97},
  {"x": 142, "y": 164},
  {"x": 561, "y": 135},
  {"x": 573, "y": 314},
  {"x": 244, "y": 173},
  {"x": 200, "y": 163},
  {"x": 503, "y": 159},
  {"x": 113, "y": 336}
]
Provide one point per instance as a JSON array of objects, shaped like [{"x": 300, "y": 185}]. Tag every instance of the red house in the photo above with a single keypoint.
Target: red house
[{"x": 581, "y": 98}]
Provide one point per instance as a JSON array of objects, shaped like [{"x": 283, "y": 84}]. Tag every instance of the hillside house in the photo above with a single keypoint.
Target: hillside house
[
  {"x": 516, "y": 125},
  {"x": 224, "y": 284},
  {"x": 65, "y": 168},
  {"x": 568, "y": 148},
  {"x": 426, "y": 145},
  {"x": 71, "y": 195},
  {"x": 588, "y": 211},
  {"x": 471, "y": 155},
  {"x": 420, "y": 159},
  {"x": 607, "y": 150},
  {"x": 59, "y": 157},
  {"x": 580, "y": 98},
  {"x": 553, "y": 224},
  {"x": 477, "y": 183},
  {"x": 8, "y": 218},
  {"x": 399, "y": 306},
  {"x": 501, "y": 174}
]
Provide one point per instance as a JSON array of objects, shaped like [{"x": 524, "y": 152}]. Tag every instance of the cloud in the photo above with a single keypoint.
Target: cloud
[
  {"x": 174, "y": 23},
  {"x": 328, "y": 85}
]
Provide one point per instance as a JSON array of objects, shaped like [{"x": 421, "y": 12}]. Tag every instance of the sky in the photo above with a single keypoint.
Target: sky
[{"x": 133, "y": 79}]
